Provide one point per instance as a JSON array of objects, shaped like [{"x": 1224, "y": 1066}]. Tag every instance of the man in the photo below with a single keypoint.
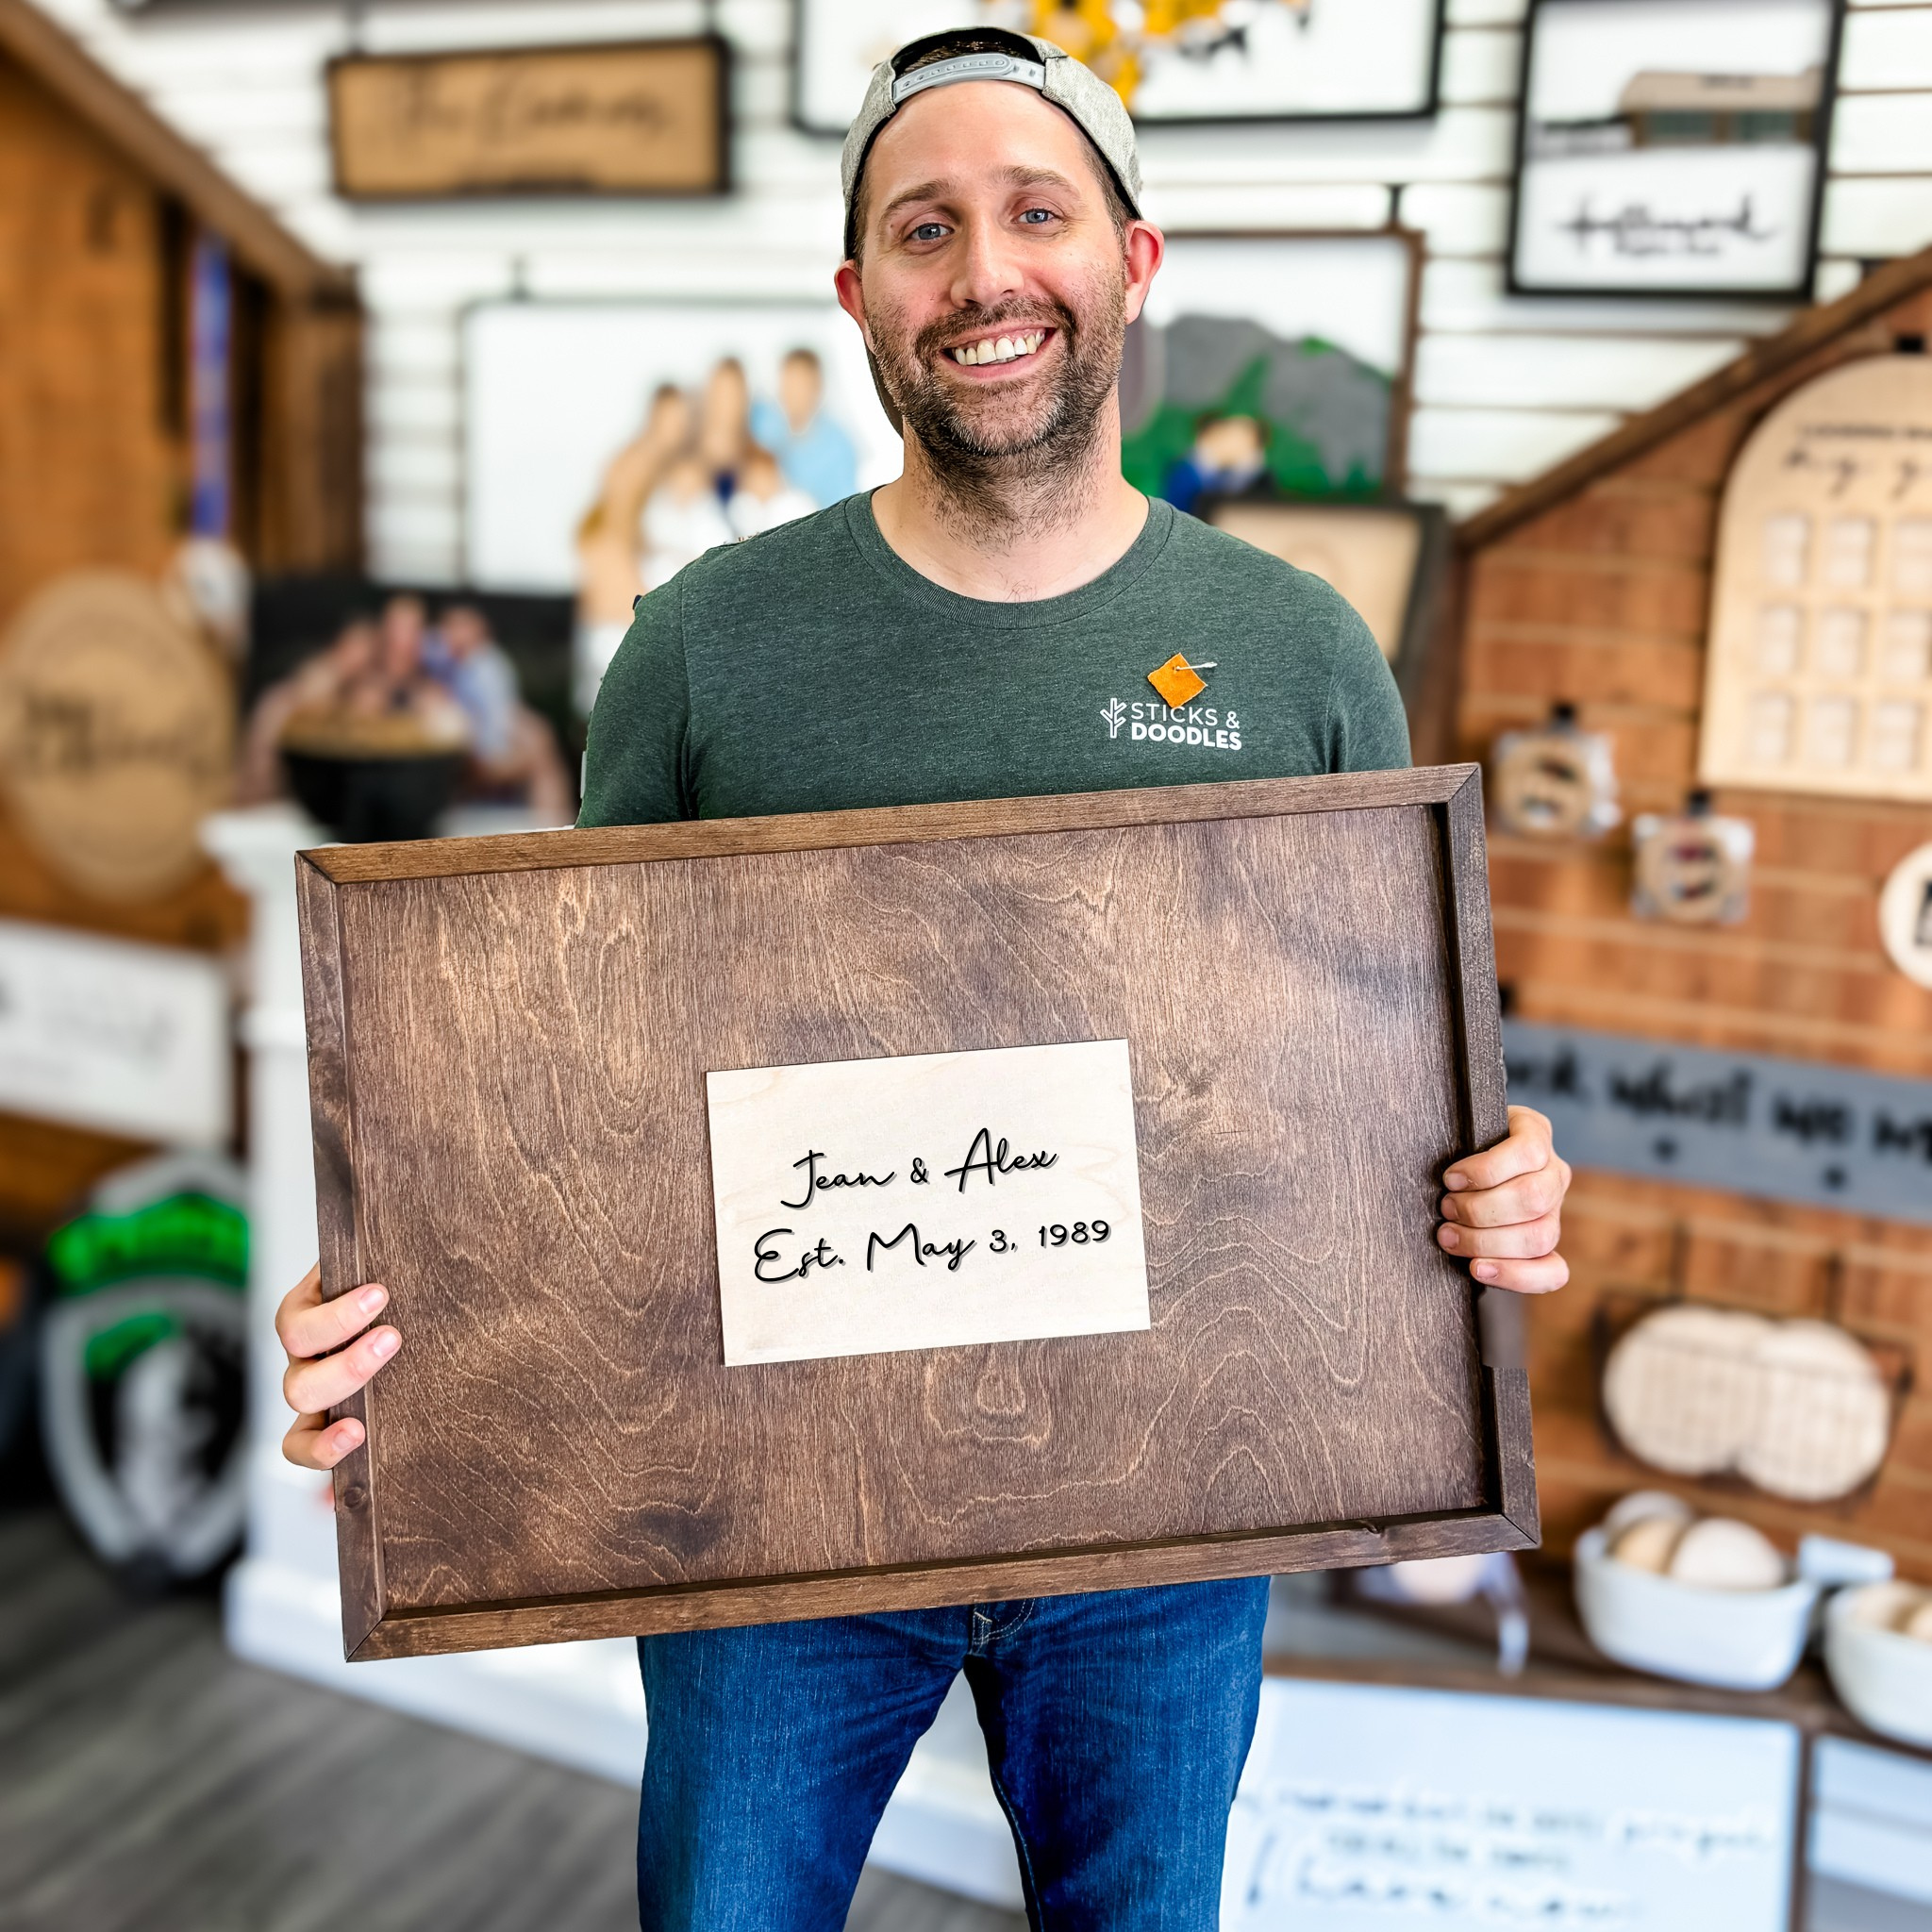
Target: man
[{"x": 967, "y": 632}]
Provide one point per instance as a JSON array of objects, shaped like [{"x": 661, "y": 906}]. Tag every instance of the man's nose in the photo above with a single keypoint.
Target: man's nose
[{"x": 990, "y": 267}]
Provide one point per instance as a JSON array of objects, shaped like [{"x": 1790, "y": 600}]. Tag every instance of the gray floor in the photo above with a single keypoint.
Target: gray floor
[{"x": 150, "y": 1783}]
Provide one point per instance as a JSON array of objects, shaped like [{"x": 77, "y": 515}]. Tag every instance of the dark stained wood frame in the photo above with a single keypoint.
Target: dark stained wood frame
[{"x": 1509, "y": 1519}]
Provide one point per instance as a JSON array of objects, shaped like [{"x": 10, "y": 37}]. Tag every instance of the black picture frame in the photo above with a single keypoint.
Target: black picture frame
[
  {"x": 1423, "y": 110},
  {"x": 1798, "y": 290}
]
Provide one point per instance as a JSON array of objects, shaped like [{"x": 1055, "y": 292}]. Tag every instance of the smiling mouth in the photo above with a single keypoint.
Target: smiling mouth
[{"x": 1013, "y": 347}]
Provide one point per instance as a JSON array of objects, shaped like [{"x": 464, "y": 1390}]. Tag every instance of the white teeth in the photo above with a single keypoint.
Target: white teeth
[{"x": 999, "y": 349}]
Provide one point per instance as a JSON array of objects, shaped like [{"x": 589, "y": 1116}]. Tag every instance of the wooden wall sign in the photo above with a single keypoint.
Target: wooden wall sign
[
  {"x": 511, "y": 1045},
  {"x": 1819, "y": 675},
  {"x": 117, "y": 727},
  {"x": 649, "y": 117}
]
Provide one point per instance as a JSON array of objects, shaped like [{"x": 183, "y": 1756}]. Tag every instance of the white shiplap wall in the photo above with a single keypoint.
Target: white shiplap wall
[{"x": 1504, "y": 388}]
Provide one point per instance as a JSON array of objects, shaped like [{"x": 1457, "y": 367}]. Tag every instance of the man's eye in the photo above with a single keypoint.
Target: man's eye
[
  {"x": 1037, "y": 215},
  {"x": 929, "y": 231}
]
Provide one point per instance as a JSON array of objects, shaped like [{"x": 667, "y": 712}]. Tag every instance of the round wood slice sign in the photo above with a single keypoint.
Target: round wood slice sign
[{"x": 116, "y": 734}]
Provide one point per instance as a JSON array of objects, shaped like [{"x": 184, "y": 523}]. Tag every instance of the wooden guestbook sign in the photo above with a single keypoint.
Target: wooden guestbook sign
[
  {"x": 647, "y": 117},
  {"x": 799, "y": 1216}
]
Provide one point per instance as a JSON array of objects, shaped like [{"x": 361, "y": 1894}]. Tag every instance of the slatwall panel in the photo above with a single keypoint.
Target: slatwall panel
[
  {"x": 1505, "y": 385},
  {"x": 1601, "y": 600}
]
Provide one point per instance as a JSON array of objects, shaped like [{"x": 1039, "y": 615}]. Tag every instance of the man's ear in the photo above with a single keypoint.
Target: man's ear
[
  {"x": 850, "y": 291},
  {"x": 852, "y": 300},
  {"x": 1145, "y": 247}
]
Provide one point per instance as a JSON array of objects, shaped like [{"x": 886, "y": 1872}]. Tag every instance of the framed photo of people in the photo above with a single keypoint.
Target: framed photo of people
[
  {"x": 1222, "y": 61},
  {"x": 1672, "y": 147},
  {"x": 748, "y": 413}
]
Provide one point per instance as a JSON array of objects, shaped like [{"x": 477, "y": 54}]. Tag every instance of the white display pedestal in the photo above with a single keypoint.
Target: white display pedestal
[{"x": 579, "y": 1703}]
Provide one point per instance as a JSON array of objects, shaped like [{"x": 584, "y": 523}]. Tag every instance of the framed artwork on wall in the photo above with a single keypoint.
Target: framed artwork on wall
[
  {"x": 1672, "y": 147},
  {"x": 643, "y": 117},
  {"x": 1387, "y": 558},
  {"x": 1210, "y": 60},
  {"x": 1272, "y": 363},
  {"x": 771, "y": 399}
]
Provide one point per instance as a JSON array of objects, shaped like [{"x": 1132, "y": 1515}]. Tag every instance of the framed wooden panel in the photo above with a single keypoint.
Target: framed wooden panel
[
  {"x": 508, "y": 1045},
  {"x": 1389, "y": 559},
  {"x": 638, "y": 117}
]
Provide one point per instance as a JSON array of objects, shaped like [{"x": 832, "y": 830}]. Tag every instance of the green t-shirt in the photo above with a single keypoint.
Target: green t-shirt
[{"x": 812, "y": 668}]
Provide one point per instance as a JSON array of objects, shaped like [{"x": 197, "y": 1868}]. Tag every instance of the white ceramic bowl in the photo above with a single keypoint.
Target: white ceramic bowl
[
  {"x": 1884, "y": 1677},
  {"x": 1740, "y": 1639}
]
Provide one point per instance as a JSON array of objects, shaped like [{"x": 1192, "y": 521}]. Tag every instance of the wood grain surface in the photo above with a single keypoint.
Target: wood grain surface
[
  {"x": 507, "y": 1068},
  {"x": 1592, "y": 587}
]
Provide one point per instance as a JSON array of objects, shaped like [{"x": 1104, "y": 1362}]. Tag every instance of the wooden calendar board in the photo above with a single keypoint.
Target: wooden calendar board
[
  {"x": 1818, "y": 676},
  {"x": 509, "y": 1045}
]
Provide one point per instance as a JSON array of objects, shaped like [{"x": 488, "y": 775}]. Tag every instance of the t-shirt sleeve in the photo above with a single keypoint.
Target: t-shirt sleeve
[
  {"x": 636, "y": 765},
  {"x": 1366, "y": 727}
]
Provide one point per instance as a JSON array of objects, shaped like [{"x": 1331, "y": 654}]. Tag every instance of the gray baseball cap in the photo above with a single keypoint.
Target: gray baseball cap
[{"x": 992, "y": 54}]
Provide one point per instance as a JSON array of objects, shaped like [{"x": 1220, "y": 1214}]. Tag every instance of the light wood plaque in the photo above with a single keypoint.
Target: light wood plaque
[
  {"x": 508, "y": 1045},
  {"x": 647, "y": 117},
  {"x": 1819, "y": 675}
]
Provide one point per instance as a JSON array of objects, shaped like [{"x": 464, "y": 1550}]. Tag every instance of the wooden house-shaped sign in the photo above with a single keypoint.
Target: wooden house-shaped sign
[
  {"x": 1722, "y": 589},
  {"x": 137, "y": 280}
]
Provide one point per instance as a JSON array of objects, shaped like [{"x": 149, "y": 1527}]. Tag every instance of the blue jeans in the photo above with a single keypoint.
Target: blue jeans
[{"x": 1116, "y": 1723}]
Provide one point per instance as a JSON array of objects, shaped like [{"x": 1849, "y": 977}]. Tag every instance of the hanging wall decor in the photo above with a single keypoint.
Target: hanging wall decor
[
  {"x": 1692, "y": 867},
  {"x": 1208, "y": 60},
  {"x": 1556, "y": 781},
  {"x": 1387, "y": 559},
  {"x": 1271, "y": 362},
  {"x": 1819, "y": 673},
  {"x": 645, "y": 117},
  {"x": 757, "y": 411},
  {"x": 1905, "y": 916},
  {"x": 1672, "y": 147},
  {"x": 117, "y": 729}
]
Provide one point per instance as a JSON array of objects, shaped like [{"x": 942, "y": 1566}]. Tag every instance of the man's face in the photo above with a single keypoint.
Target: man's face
[{"x": 991, "y": 285}]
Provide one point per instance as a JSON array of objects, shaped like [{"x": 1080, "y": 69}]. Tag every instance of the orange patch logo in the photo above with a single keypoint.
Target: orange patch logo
[{"x": 1177, "y": 680}]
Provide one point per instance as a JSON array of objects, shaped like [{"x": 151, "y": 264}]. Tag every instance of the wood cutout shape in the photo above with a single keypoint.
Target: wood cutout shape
[
  {"x": 116, "y": 734},
  {"x": 1819, "y": 673},
  {"x": 1693, "y": 868},
  {"x": 1904, "y": 915},
  {"x": 1556, "y": 781},
  {"x": 510, "y": 1040}
]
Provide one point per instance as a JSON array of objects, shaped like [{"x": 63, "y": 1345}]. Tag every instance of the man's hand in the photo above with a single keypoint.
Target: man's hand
[
  {"x": 322, "y": 1371},
  {"x": 1503, "y": 1213}
]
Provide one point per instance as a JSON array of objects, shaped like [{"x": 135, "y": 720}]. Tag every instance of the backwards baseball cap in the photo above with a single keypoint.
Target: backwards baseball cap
[{"x": 964, "y": 54}]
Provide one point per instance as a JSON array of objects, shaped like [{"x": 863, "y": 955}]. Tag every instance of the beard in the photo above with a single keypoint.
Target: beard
[{"x": 991, "y": 450}]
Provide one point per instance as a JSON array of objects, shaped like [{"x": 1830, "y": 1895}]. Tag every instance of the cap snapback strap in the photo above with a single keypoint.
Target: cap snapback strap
[{"x": 984, "y": 66}]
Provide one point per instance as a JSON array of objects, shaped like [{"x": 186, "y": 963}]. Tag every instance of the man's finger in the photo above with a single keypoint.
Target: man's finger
[
  {"x": 1523, "y": 1238},
  {"x": 311, "y": 1446},
  {"x": 324, "y": 1326},
  {"x": 1528, "y": 1150},
  {"x": 1543, "y": 1275},
  {"x": 1523, "y": 1199},
  {"x": 309, "y": 1387}
]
